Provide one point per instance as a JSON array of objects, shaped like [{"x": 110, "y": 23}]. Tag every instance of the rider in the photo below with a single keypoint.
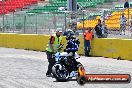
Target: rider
[
  {"x": 72, "y": 46},
  {"x": 53, "y": 45}
]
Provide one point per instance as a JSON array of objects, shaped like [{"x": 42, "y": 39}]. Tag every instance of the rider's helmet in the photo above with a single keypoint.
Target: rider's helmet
[{"x": 70, "y": 35}]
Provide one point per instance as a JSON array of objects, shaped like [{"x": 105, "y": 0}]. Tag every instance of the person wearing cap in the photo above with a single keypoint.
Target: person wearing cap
[
  {"x": 88, "y": 36},
  {"x": 54, "y": 43}
]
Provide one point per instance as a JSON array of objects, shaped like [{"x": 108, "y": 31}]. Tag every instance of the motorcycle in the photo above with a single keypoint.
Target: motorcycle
[{"x": 65, "y": 68}]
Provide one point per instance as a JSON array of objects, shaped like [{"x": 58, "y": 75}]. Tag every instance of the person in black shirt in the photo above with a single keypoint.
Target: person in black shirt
[
  {"x": 126, "y": 4},
  {"x": 98, "y": 29}
]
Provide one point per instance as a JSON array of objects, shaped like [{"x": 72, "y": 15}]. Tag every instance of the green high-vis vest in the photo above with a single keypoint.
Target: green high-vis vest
[{"x": 56, "y": 44}]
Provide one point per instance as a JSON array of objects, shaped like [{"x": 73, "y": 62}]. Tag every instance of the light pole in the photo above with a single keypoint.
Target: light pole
[{"x": 65, "y": 21}]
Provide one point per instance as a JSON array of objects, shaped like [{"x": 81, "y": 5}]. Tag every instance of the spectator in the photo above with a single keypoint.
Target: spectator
[
  {"x": 123, "y": 21},
  {"x": 68, "y": 31},
  {"x": 107, "y": 16},
  {"x": 126, "y": 4},
  {"x": 104, "y": 30},
  {"x": 131, "y": 25},
  {"x": 88, "y": 36},
  {"x": 98, "y": 29},
  {"x": 131, "y": 19}
]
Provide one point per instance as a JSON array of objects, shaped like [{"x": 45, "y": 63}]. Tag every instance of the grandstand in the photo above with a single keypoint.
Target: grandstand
[
  {"x": 112, "y": 22},
  {"x": 11, "y": 5},
  {"x": 46, "y": 17}
]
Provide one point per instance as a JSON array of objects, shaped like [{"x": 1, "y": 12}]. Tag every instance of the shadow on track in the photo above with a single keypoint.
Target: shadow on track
[{"x": 68, "y": 80}]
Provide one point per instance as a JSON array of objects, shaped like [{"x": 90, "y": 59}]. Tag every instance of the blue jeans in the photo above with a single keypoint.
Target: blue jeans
[{"x": 87, "y": 47}]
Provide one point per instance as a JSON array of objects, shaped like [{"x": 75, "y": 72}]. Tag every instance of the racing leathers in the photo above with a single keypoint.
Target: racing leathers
[{"x": 72, "y": 48}]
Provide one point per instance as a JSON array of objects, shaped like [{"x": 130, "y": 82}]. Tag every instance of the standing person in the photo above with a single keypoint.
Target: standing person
[
  {"x": 53, "y": 44},
  {"x": 68, "y": 31},
  {"x": 104, "y": 30},
  {"x": 123, "y": 21},
  {"x": 126, "y": 4},
  {"x": 88, "y": 36},
  {"x": 131, "y": 26},
  {"x": 98, "y": 29}
]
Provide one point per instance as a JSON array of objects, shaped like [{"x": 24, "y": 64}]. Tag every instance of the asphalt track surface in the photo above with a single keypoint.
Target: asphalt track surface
[{"x": 26, "y": 69}]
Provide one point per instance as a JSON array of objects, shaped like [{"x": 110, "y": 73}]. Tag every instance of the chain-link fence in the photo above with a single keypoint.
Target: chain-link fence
[
  {"x": 46, "y": 23},
  {"x": 42, "y": 23},
  {"x": 32, "y": 22}
]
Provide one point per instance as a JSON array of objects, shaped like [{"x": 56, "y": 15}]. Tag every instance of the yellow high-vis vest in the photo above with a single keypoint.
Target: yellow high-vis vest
[{"x": 56, "y": 43}]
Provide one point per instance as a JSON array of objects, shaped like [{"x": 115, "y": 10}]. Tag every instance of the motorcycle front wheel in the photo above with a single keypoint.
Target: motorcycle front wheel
[{"x": 60, "y": 73}]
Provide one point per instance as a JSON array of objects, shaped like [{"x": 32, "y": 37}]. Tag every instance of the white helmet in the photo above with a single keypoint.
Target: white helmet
[{"x": 59, "y": 30}]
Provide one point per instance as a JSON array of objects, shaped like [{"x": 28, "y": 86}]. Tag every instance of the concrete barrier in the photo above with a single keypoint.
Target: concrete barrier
[
  {"x": 29, "y": 41},
  {"x": 110, "y": 47},
  {"x": 24, "y": 41}
]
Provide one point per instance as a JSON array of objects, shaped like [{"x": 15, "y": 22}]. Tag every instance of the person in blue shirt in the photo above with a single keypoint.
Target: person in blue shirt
[{"x": 126, "y": 4}]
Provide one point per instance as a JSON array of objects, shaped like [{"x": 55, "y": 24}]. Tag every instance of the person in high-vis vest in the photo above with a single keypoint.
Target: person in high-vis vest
[
  {"x": 88, "y": 36},
  {"x": 52, "y": 47}
]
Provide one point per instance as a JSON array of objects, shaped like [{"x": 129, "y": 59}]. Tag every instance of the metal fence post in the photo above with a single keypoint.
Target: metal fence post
[
  {"x": 13, "y": 22},
  {"x": 128, "y": 21},
  {"x": 83, "y": 32},
  {"x": 83, "y": 21},
  {"x": 65, "y": 21},
  {"x": 24, "y": 23},
  {"x": 54, "y": 20},
  {"x": 3, "y": 7},
  {"x": 36, "y": 23}
]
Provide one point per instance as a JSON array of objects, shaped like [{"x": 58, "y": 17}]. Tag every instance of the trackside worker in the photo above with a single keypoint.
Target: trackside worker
[
  {"x": 88, "y": 36},
  {"x": 53, "y": 44}
]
